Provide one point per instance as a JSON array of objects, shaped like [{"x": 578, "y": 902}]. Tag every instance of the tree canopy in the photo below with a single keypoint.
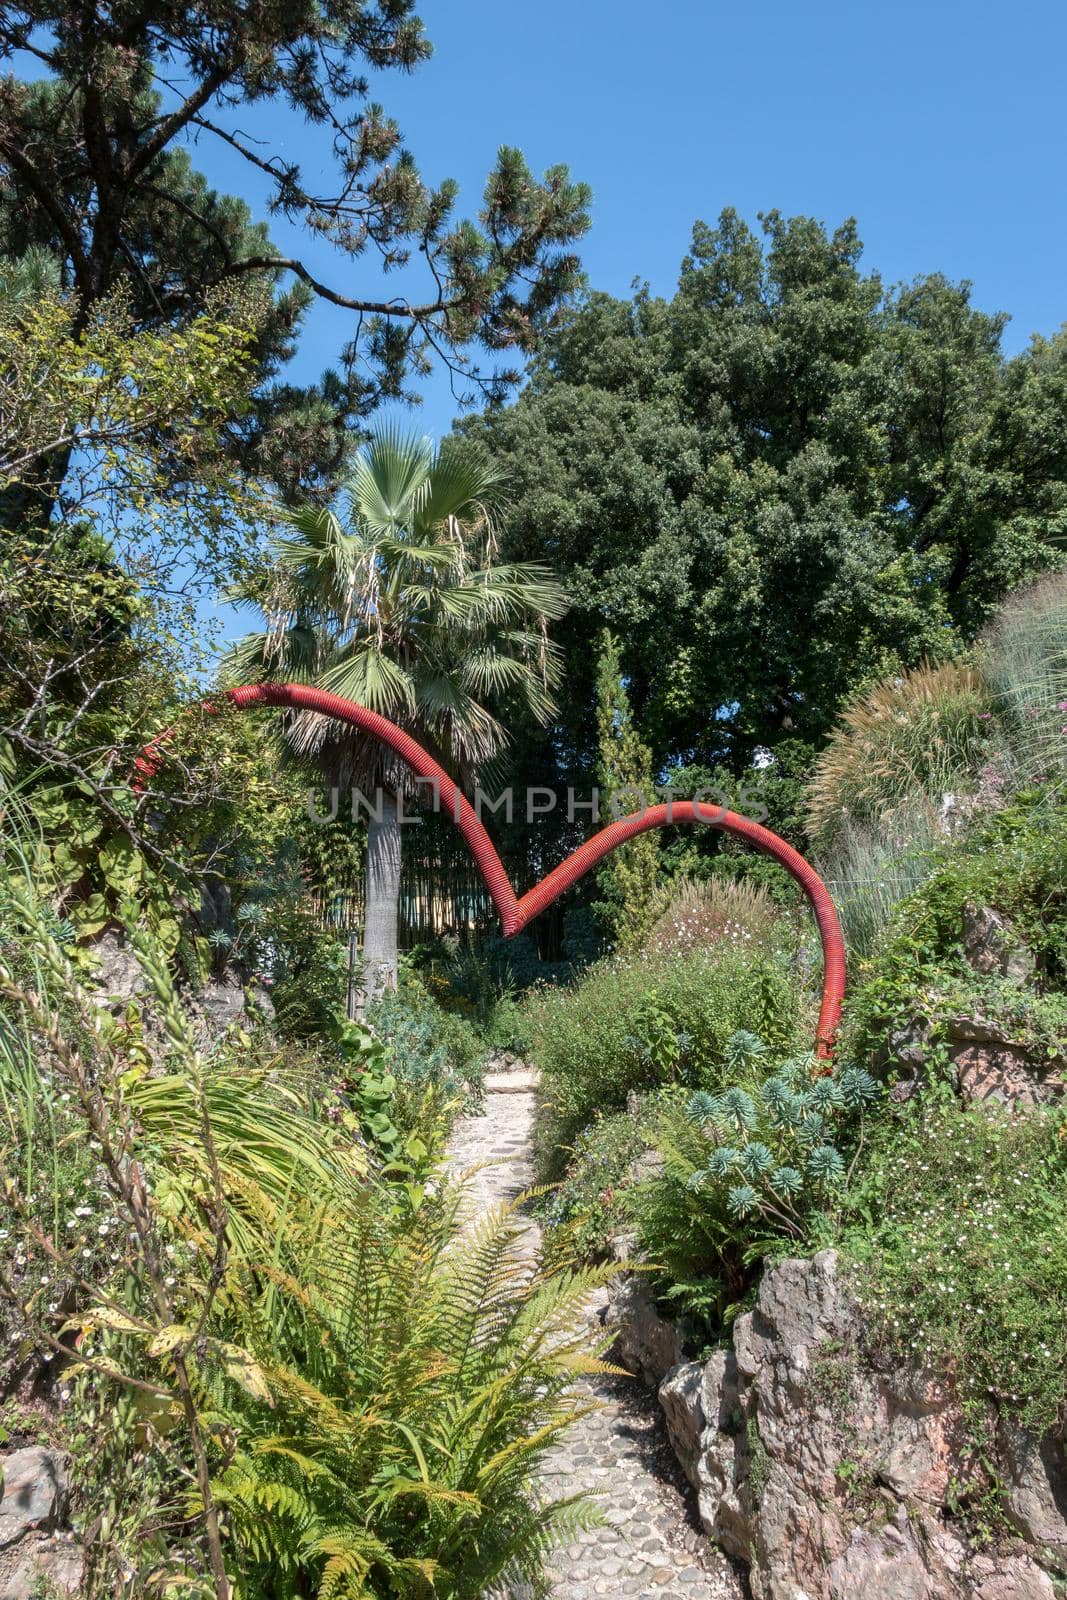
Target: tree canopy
[
  {"x": 784, "y": 481},
  {"x": 95, "y": 166}
]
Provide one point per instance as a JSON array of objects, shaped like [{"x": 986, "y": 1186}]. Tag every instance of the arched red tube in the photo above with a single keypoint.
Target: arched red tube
[{"x": 514, "y": 912}]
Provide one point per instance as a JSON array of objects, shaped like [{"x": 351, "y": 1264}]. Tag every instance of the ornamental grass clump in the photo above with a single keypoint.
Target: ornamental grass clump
[
  {"x": 876, "y": 866},
  {"x": 1025, "y": 661},
  {"x": 920, "y": 735}
]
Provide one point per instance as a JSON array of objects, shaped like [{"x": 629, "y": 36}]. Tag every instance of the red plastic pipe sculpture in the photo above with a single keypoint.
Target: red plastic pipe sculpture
[{"x": 514, "y": 912}]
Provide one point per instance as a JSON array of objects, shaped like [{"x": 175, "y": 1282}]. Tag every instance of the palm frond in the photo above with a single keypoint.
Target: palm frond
[{"x": 388, "y": 481}]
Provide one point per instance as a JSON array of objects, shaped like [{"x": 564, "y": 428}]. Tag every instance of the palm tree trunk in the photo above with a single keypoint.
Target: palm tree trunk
[{"x": 383, "y": 898}]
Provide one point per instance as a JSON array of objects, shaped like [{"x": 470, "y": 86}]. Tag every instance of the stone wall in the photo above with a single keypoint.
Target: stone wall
[{"x": 828, "y": 1479}]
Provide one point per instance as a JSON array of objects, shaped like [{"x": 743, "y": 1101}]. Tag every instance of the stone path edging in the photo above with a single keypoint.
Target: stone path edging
[{"x": 649, "y": 1546}]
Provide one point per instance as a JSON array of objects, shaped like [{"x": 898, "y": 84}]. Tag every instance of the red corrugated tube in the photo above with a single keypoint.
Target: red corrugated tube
[{"x": 515, "y": 913}]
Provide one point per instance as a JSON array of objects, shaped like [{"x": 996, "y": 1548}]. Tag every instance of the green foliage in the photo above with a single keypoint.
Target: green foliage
[
  {"x": 627, "y": 882},
  {"x": 1014, "y": 861},
  {"x": 632, "y": 1025},
  {"x": 957, "y": 1224},
  {"x": 744, "y": 1169},
  {"x": 146, "y": 412},
  {"x": 429, "y": 1047},
  {"x": 784, "y": 438},
  {"x": 435, "y": 1376},
  {"x": 314, "y": 1390},
  {"x": 96, "y": 169},
  {"x": 402, "y": 608},
  {"x": 586, "y": 1209}
]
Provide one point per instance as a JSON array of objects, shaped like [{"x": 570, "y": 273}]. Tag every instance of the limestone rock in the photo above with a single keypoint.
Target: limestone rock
[
  {"x": 1037, "y": 1489},
  {"x": 118, "y": 976},
  {"x": 992, "y": 946},
  {"x": 34, "y": 1497},
  {"x": 56, "y": 1561},
  {"x": 1017, "y": 1579},
  {"x": 33, "y": 1493},
  {"x": 680, "y": 1395},
  {"x": 724, "y": 1467},
  {"x": 223, "y": 1003},
  {"x": 828, "y": 1475},
  {"x": 879, "y": 1564},
  {"x": 646, "y": 1344}
]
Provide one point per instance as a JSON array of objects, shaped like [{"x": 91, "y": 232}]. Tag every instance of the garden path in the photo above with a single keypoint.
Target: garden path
[{"x": 649, "y": 1546}]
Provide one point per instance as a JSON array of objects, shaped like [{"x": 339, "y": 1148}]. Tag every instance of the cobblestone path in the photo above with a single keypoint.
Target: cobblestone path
[{"x": 650, "y": 1546}]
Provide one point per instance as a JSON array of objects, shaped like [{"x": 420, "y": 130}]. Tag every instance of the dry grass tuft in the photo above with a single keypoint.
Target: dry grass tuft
[
  {"x": 1025, "y": 660},
  {"x": 920, "y": 735}
]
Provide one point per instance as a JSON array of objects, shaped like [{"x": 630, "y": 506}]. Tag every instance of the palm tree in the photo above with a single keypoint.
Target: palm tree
[{"x": 395, "y": 601}]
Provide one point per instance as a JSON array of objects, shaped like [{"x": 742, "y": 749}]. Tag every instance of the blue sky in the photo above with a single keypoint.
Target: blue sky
[{"x": 939, "y": 125}]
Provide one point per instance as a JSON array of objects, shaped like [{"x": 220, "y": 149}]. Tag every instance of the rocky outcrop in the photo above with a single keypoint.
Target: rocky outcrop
[
  {"x": 830, "y": 1479},
  {"x": 36, "y": 1548},
  {"x": 219, "y": 1004},
  {"x": 645, "y": 1343},
  {"x": 992, "y": 946},
  {"x": 991, "y": 1065},
  {"x": 992, "y": 1062}
]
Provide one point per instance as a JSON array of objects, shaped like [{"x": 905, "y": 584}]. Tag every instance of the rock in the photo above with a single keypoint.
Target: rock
[
  {"x": 645, "y": 1343},
  {"x": 991, "y": 945},
  {"x": 916, "y": 1434},
  {"x": 119, "y": 977},
  {"x": 56, "y": 1563},
  {"x": 1005, "y": 1075},
  {"x": 34, "y": 1546},
  {"x": 795, "y": 1540},
  {"x": 879, "y": 1564},
  {"x": 977, "y": 1030},
  {"x": 723, "y": 1467},
  {"x": 33, "y": 1493},
  {"x": 830, "y": 1475},
  {"x": 222, "y": 1001},
  {"x": 260, "y": 1003},
  {"x": 1036, "y": 1499},
  {"x": 680, "y": 1395},
  {"x": 908, "y": 1046},
  {"x": 1017, "y": 1579},
  {"x": 644, "y": 1168},
  {"x": 990, "y": 1065}
]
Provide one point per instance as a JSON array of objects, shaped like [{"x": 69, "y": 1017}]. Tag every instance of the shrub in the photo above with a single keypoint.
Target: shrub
[
  {"x": 430, "y": 1048},
  {"x": 744, "y": 1169},
  {"x": 584, "y": 1212},
  {"x": 1014, "y": 861},
  {"x": 958, "y": 1232},
  {"x": 633, "y": 1025},
  {"x": 718, "y": 910},
  {"x": 279, "y": 1376},
  {"x": 918, "y": 735}
]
